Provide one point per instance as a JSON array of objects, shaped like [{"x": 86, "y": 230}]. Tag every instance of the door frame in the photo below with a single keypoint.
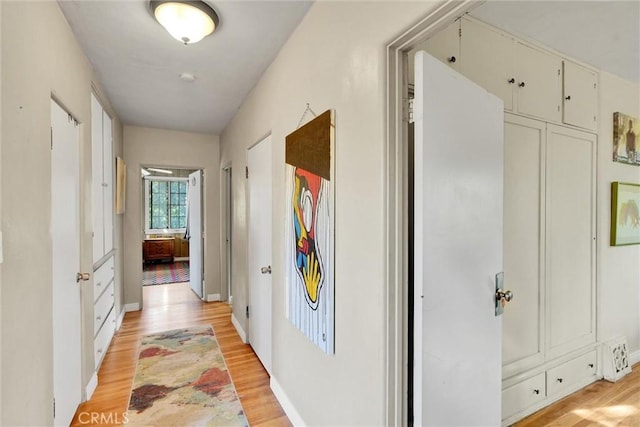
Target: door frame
[
  {"x": 226, "y": 232},
  {"x": 397, "y": 202}
]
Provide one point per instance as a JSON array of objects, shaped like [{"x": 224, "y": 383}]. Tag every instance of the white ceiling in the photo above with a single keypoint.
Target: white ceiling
[
  {"x": 139, "y": 63},
  {"x": 605, "y": 34}
]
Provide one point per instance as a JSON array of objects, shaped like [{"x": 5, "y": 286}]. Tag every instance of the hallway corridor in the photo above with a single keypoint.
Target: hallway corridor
[{"x": 171, "y": 307}]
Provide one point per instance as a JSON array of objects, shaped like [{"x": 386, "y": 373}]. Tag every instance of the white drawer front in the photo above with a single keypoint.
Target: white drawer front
[
  {"x": 102, "y": 340},
  {"x": 102, "y": 277},
  {"x": 522, "y": 395},
  {"x": 570, "y": 373},
  {"x": 102, "y": 307}
]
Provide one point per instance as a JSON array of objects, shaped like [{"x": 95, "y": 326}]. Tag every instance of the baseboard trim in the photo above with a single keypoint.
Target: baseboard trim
[
  {"x": 93, "y": 384},
  {"x": 180, "y": 258},
  {"x": 241, "y": 332},
  {"x": 286, "y": 404},
  {"x": 120, "y": 319},
  {"x": 132, "y": 307},
  {"x": 634, "y": 357},
  {"x": 213, "y": 297}
]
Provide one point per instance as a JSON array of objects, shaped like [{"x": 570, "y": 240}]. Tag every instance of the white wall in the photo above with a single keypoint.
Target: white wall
[
  {"x": 159, "y": 147},
  {"x": 335, "y": 59},
  {"x": 618, "y": 266},
  {"x": 40, "y": 58}
]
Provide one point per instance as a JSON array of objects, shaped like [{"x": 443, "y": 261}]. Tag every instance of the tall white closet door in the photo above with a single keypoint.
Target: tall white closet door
[
  {"x": 523, "y": 340},
  {"x": 97, "y": 204},
  {"x": 570, "y": 239},
  {"x": 107, "y": 175}
]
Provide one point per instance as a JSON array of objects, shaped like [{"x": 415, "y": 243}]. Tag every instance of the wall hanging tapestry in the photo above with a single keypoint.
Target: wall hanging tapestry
[
  {"x": 625, "y": 214},
  {"x": 182, "y": 380},
  {"x": 309, "y": 157},
  {"x": 626, "y": 146}
]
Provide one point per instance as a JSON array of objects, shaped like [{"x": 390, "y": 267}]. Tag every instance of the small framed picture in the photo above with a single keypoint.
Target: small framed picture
[{"x": 625, "y": 214}]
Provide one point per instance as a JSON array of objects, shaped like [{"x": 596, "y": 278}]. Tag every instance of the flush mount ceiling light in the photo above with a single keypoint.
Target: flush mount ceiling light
[{"x": 187, "y": 21}]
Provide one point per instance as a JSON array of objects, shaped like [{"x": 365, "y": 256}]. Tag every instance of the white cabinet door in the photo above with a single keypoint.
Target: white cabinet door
[
  {"x": 107, "y": 186},
  {"x": 570, "y": 235},
  {"x": 444, "y": 45},
  {"x": 539, "y": 83},
  {"x": 97, "y": 206},
  {"x": 458, "y": 248},
  {"x": 580, "y": 98},
  {"x": 523, "y": 340},
  {"x": 486, "y": 57}
]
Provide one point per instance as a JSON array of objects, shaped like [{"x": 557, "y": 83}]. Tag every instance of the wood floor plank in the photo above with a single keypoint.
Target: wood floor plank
[{"x": 171, "y": 307}]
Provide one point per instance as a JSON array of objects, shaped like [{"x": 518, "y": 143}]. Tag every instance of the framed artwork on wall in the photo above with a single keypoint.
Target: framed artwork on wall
[
  {"x": 309, "y": 228},
  {"x": 625, "y": 214},
  {"x": 121, "y": 182},
  {"x": 626, "y": 139}
]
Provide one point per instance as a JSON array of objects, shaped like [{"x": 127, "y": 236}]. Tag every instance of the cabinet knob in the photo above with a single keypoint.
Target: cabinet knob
[
  {"x": 591, "y": 365},
  {"x": 451, "y": 59},
  {"x": 511, "y": 80},
  {"x": 536, "y": 391},
  {"x": 99, "y": 318},
  {"x": 568, "y": 97},
  {"x": 559, "y": 380},
  {"x": 521, "y": 84}
]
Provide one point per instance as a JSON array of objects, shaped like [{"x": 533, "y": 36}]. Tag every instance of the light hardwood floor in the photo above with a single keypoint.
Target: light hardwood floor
[
  {"x": 169, "y": 307},
  {"x": 599, "y": 404},
  {"x": 175, "y": 306}
]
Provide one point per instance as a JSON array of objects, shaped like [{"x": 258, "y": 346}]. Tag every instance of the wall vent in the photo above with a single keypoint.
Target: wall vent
[{"x": 616, "y": 359}]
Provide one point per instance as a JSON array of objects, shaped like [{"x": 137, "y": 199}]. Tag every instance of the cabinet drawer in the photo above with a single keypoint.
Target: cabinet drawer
[
  {"x": 102, "y": 340},
  {"x": 102, "y": 277},
  {"x": 567, "y": 375},
  {"x": 102, "y": 308},
  {"x": 523, "y": 395}
]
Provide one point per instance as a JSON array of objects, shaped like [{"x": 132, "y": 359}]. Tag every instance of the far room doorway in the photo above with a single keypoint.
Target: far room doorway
[{"x": 169, "y": 253}]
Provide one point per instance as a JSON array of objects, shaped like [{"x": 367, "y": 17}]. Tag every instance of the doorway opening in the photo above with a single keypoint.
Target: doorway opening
[{"x": 168, "y": 253}]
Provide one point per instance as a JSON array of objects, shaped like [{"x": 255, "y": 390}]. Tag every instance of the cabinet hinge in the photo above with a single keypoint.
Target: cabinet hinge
[
  {"x": 246, "y": 171},
  {"x": 247, "y": 312},
  {"x": 51, "y": 135},
  {"x": 558, "y": 71},
  {"x": 408, "y": 113},
  {"x": 460, "y": 32},
  {"x": 595, "y": 85},
  {"x": 54, "y": 408}
]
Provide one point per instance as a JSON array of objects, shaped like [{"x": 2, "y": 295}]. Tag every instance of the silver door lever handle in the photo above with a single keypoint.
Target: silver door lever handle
[{"x": 266, "y": 270}]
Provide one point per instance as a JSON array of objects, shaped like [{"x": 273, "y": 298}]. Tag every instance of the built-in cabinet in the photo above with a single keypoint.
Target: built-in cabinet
[
  {"x": 104, "y": 321},
  {"x": 529, "y": 79},
  {"x": 104, "y": 314},
  {"x": 102, "y": 180},
  {"x": 549, "y": 342},
  {"x": 551, "y": 104}
]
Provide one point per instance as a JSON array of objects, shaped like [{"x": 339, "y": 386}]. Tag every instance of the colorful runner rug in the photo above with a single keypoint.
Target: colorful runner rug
[
  {"x": 160, "y": 274},
  {"x": 182, "y": 380}
]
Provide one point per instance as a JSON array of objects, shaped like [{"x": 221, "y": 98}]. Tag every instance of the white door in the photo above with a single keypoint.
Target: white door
[
  {"x": 196, "y": 247},
  {"x": 107, "y": 173},
  {"x": 458, "y": 248},
  {"x": 259, "y": 164},
  {"x": 65, "y": 241}
]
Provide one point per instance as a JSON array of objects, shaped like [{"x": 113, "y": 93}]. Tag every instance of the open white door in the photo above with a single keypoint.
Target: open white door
[
  {"x": 65, "y": 246},
  {"x": 259, "y": 275},
  {"x": 458, "y": 248},
  {"x": 196, "y": 247}
]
